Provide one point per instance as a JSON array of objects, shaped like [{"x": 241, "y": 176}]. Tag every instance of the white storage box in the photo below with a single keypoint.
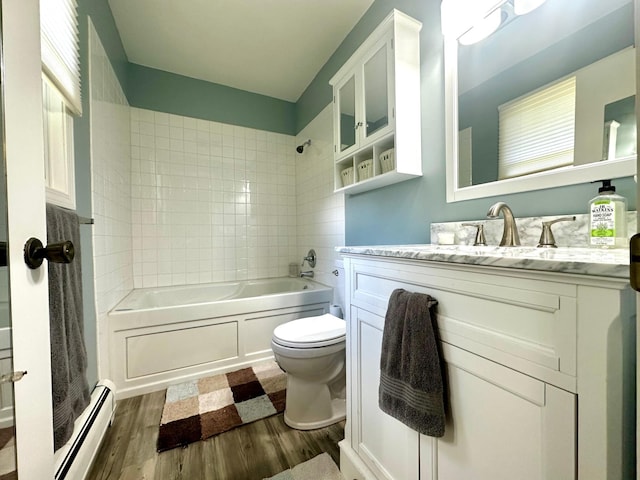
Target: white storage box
[
  {"x": 365, "y": 169},
  {"x": 387, "y": 160},
  {"x": 347, "y": 176}
]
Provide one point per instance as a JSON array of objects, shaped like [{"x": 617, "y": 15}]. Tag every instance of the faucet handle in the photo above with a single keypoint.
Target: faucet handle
[
  {"x": 479, "y": 240},
  {"x": 546, "y": 236},
  {"x": 310, "y": 259}
]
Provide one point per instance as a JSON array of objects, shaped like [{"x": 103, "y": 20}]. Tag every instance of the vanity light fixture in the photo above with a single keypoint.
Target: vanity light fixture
[
  {"x": 482, "y": 29},
  {"x": 520, "y": 7},
  {"x": 500, "y": 16}
]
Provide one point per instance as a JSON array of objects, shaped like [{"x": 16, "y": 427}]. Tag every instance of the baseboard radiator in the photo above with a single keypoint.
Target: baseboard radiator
[{"x": 73, "y": 460}]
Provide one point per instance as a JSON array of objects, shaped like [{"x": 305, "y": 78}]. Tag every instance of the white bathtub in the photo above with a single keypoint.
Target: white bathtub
[{"x": 163, "y": 336}]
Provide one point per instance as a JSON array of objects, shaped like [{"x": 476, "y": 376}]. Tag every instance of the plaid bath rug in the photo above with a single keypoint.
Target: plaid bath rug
[{"x": 199, "y": 409}]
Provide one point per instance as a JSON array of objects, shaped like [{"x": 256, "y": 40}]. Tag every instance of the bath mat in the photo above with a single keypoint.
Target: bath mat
[
  {"x": 320, "y": 467},
  {"x": 199, "y": 409}
]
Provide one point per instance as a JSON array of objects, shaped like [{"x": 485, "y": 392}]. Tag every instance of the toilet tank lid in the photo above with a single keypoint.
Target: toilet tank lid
[{"x": 311, "y": 329}]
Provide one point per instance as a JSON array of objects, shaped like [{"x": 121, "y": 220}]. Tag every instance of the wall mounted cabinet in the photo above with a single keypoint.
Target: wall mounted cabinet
[
  {"x": 521, "y": 350},
  {"x": 376, "y": 109}
]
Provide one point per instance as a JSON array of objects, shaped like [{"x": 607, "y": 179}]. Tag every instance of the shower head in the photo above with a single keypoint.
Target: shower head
[{"x": 300, "y": 148}]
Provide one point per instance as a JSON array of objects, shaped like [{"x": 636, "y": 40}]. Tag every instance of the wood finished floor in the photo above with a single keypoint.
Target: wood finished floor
[{"x": 251, "y": 452}]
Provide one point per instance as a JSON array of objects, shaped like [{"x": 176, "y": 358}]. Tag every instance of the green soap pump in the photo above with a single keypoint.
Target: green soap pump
[{"x": 608, "y": 218}]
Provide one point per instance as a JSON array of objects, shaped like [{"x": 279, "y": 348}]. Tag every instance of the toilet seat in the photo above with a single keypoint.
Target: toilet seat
[{"x": 311, "y": 332}]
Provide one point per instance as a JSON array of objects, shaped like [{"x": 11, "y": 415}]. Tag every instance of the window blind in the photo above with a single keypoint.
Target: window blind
[
  {"x": 60, "y": 55},
  {"x": 536, "y": 132}
]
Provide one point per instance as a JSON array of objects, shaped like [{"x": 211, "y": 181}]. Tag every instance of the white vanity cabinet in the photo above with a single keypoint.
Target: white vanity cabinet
[
  {"x": 376, "y": 109},
  {"x": 522, "y": 350}
]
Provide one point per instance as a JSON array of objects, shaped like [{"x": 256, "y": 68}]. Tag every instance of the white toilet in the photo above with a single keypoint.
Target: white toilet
[{"x": 312, "y": 352}]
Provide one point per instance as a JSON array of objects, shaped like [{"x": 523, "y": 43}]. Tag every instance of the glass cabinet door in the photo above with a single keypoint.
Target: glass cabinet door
[
  {"x": 347, "y": 108},
  {"x": 376, "y": 98}
]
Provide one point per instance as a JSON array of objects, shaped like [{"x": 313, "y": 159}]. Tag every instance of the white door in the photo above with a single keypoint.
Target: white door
[
  {"x": 636, "y": 5},
  {"x": 23, "y": 155}
]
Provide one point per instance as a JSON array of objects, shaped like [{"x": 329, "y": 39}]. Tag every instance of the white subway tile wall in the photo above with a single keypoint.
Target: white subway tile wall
[
  {"x": 320, "y": 219},
  {"x": 110, "y": 190},
  {"x": 111, "y": 180},
  {"x": 209, "y": 201}
]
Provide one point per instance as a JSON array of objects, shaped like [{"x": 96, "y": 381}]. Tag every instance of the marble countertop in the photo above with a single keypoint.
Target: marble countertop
[{"x": 582, "y": 261}]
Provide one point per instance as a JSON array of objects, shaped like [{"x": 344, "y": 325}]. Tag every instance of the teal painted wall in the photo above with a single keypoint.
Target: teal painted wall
[
  {"x": 105, "y": 25},
  {"x": 402, "y": 213},
  {"x": 167, "y": 92}
]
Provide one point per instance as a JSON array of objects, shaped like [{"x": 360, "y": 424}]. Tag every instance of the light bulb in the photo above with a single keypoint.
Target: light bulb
[{"x": 483, "y": 29}]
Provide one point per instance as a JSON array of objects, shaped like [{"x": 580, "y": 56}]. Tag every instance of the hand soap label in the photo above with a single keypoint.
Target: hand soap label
[{"x": 603, "y": 223}]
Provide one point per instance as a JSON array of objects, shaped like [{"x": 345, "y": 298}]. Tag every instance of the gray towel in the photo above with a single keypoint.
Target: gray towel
[
  {"x": 69, "y": 384},
  {"x": 411, "y": 385}
]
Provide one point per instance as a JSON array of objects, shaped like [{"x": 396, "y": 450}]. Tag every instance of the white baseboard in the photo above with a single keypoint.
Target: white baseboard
[
  {"x": 74, "y": 459},
  {"x": 351, "y": 467}
]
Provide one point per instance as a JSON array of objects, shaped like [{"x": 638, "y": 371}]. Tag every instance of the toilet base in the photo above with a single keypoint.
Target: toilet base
[{"x": 338, "y": 407}]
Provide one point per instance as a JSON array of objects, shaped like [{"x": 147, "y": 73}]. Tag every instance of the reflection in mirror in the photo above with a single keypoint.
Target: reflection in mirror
[
  {"x": 375, "y": 92},
  {"x": 619, "y": 139},
  {"x": 347, "y": 102},
  {"x": 7, "y": 424},
  {"x": 589, "y": 41}
]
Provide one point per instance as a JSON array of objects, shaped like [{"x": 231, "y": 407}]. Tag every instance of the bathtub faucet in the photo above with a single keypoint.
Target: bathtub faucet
[{"x": 308, "y": 273}]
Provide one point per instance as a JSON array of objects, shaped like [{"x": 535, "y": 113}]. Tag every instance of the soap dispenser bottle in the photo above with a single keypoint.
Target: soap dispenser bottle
[{"x": 608, "y": 218}]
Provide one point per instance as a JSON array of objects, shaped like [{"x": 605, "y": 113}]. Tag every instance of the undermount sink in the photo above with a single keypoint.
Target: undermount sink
[
  {"x": 511, "y": 251},
  {"x": 480, "y": 249},
  {"x": 561, "y": 254},
  {"x": 581, "y": 260}
]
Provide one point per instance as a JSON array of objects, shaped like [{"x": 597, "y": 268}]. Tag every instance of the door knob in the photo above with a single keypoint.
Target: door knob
[
  {"x": 35, "y": 252},
  {"x": 634, "y": 262}
]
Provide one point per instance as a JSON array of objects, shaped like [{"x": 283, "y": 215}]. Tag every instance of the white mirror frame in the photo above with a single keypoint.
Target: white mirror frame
[{"x": 571, "y": 175}]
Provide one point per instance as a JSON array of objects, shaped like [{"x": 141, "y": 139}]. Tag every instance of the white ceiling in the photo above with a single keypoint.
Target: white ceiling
[{"x": 271, "y": 47}]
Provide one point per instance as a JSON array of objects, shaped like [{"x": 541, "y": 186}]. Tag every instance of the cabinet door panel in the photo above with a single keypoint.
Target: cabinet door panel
[
  {"x": 376, "y": 92},
  {"x": 388, "y": 447},
  {"x": 346, "y": 119},
  {"x": 499, "y": 428}
]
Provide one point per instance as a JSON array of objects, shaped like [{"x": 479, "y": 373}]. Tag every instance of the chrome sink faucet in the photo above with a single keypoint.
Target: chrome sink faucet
[
  {"x": 307, "y": 274},
  {"x": 510, "y": 236}
]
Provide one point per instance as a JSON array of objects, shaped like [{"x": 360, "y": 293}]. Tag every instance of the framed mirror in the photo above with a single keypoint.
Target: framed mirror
[{"x": 506, "y": 131}]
